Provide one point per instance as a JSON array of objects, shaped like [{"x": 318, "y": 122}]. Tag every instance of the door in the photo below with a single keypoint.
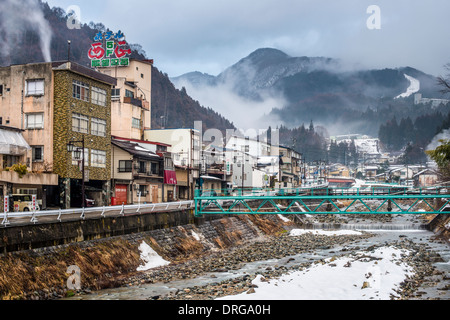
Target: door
[{"x": 154, "y": 194}]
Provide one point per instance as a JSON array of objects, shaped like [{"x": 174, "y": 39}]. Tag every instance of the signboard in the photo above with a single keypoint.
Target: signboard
[
  {"x": 109, "y": 50},
  {"x": 33, "y": 200},
  {"x": 228, "y": 167},
  {"x": 6, "y": 204}
]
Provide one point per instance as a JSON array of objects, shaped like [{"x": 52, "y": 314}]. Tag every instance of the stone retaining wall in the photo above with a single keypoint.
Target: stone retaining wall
[{"x": 19, "y": 238}]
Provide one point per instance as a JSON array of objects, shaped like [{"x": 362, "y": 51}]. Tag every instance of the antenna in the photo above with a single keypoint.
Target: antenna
[{"x": 68, "y": 50}]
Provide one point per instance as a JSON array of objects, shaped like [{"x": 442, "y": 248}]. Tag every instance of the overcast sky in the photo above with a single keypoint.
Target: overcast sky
[{"x": 210, "y": 35}]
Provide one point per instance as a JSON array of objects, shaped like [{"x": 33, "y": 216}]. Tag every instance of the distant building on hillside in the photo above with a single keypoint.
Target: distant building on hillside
[{"x": 434, "y": 102}]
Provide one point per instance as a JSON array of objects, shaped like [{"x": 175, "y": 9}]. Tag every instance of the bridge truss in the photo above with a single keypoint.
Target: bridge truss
[{"x": 325, "y": 201}]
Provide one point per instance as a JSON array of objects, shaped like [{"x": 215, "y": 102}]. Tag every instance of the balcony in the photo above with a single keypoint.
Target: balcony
[
  {"x": 133, "y": 101},
  {"x": 45, "y": 179}
]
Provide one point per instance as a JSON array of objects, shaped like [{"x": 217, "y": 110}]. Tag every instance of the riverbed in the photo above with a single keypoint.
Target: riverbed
[{"x": 350, "y": 258}]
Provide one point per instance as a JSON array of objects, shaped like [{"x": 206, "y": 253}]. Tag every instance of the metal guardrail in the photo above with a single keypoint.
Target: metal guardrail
[{"x": 84, "y": 213}]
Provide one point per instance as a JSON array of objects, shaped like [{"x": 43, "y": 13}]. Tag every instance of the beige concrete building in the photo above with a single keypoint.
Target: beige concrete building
[
  {"x": 131, "y": 99},
  {"x": 185, "y": 152}
]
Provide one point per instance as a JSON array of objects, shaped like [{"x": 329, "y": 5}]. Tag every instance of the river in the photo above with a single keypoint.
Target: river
[{"x": 403, "y": 227}]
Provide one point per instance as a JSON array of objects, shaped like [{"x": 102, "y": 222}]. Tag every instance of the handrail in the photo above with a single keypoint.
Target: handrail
[{"x": 85, "y": 212}]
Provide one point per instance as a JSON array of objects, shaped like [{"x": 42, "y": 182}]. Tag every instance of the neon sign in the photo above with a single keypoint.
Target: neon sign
[{"x": 109, "y": 50}]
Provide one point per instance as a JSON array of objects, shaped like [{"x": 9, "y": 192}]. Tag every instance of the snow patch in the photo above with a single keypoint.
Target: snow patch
[
  {"x": 150, "y": 257},
  {"x": 375, "y": 275},
  {"x": 283, "y": 218},
  {"x": 298, "y": 232},
  {"x": 413, "y": 88}
]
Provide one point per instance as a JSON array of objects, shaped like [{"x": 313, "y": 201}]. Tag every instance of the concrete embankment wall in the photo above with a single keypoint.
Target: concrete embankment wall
[{"x": 26, "y": 237}]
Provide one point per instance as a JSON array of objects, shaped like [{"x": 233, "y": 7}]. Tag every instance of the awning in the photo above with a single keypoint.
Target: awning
[
  {"x": 12, "y": 143},
  {"x": 210, "y": 178},
  {"x": 170, "y": 177}
]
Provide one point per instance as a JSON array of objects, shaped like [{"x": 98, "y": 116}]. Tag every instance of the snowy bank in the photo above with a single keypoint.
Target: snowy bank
[
  {"x": 363, "y": 276},
  {"x": 299, "y": 232},
  {"x": 150, "y": 257}
]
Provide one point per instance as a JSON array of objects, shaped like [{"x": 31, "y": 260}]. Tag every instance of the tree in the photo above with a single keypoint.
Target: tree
[
  {"x": 444, "y": 82},
  {"x": 441, "y": 155}
]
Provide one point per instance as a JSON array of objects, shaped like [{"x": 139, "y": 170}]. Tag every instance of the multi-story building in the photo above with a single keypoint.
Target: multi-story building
[
  {"x": 57, "y": 104},
  {"x": 138, "y": 172},
  {"x": 290, "y": 168},
  {"x": 16, "y": 176},
  {"x": 185, "y": 150},
  {"x": 131, "y": 99}
]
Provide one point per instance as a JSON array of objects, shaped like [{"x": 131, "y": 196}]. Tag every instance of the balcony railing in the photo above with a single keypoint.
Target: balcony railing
[{"x": 133, "y": 101}]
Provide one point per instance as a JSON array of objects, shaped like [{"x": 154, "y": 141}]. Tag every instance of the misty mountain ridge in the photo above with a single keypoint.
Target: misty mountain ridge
[{"x": 321, "y": 89}]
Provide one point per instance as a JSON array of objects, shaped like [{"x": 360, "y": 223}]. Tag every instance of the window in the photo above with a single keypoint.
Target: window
[
  {"x": 99, "y": 96},
  {"x": 80, "y": 90},
  {"x": 136, "y": 123},
  {"x": 98, "y": 158},
  {"x": 35, "y": 87},
  {"x": 1, "y": 89},
  {"x": 142, "y": 167},
  {"x": 125, "y": 166},
  {"x": 85, "y": 157},
  {"x": 98, "y": 127},
  {"x": 129, "y": 94},
  {"x": 38, "y": 153},
  {"x": 34, "y": 121},
  {"x": 154, "y": 168},
  {"x": 115, "y": 94},
  {"x": 80, "y": 123}
]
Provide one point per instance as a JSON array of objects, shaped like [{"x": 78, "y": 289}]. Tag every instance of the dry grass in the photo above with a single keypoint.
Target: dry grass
[{"x": 23, "y": 273}]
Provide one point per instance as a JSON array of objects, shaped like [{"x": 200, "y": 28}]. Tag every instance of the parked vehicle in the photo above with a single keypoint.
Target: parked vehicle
[{"x": 24, "y": 202}]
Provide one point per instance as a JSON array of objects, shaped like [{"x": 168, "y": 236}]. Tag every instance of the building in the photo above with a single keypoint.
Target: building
[
  {"x": 290, "y": 168},
  {"x": 59, "y": 104},
  {"x": 138, "y": 172},
  {"x": 16, "y": 176},
  {"x": 131, "y": 99},
  {"x": 185, "y": 150},
  {"x": 426, "y": 178},
  {"x": 434, "y": 102}
]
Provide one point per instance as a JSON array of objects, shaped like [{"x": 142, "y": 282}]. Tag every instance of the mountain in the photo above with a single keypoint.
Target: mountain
[
  {"x": 23, "y": 45},
  {"x": 320, "y": 89}
]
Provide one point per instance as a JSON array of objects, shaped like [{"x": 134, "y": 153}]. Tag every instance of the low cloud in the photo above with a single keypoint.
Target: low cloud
[{"x": 244, "y": 113}]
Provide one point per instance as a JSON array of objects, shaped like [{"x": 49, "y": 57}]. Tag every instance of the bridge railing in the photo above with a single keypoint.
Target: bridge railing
[
  {"x": 264, "y": 201},
  {"x": 85, "y": 213}
]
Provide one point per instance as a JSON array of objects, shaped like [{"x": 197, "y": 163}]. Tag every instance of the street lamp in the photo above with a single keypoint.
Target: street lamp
[{"x": 77, "y": 152}]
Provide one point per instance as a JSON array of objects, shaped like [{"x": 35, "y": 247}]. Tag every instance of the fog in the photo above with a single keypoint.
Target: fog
[{"x": 17, "y": 16}]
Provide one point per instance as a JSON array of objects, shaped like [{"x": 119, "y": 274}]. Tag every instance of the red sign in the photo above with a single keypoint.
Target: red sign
[
  {"x": 170, "y": 177},
  {"x": 33, "y": 199},
  {"x": 121, "y": 194},
  {"x": 6, "y": 204}
]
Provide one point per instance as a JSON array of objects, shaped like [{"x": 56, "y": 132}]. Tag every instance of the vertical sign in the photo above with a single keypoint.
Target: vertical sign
[
  {"x": 33, "y": 200},
  {"x": 6, "y": 204},
  {"x": 228, "y": 167}
]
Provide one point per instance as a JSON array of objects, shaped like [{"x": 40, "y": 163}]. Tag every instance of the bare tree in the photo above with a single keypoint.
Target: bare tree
[{"x": 444, "y": 82}]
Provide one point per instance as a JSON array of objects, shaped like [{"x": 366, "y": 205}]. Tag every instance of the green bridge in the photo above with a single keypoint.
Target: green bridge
[{"x": 376, "y": 200}]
